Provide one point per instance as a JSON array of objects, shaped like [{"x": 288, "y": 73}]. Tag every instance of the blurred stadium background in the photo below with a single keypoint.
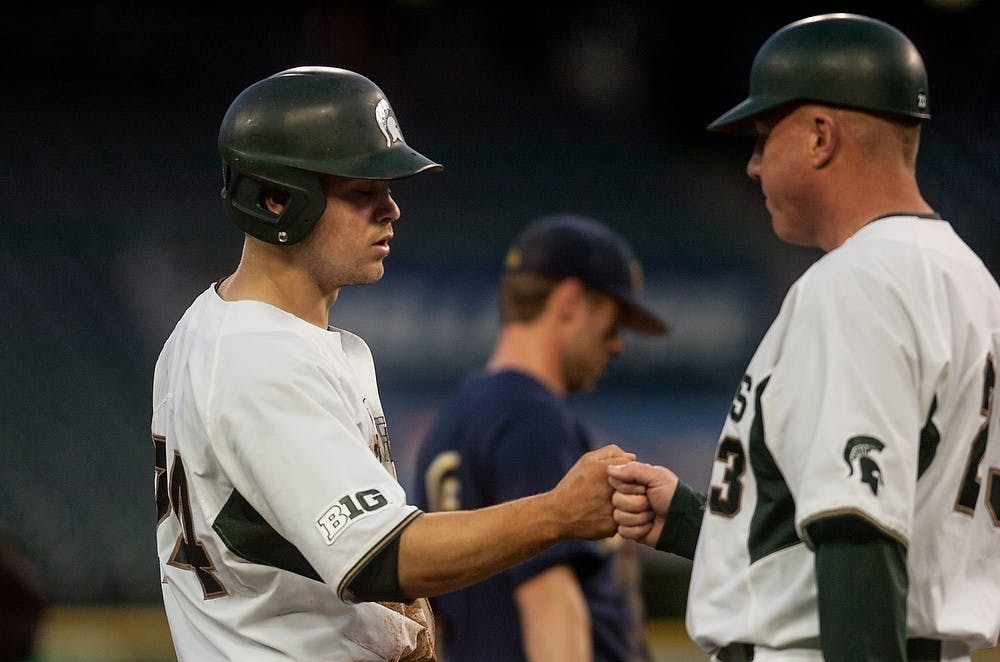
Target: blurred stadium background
[{"x": 114, "y": 225}]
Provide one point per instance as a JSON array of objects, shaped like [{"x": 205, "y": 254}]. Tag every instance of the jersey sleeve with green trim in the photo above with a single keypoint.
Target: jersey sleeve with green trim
[{"x": 843, "y": 407}]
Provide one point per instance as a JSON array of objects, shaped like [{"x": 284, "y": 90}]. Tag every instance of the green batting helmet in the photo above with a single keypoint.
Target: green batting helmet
[
  {"x": 288, "y": 130},
  {"x": 838, "y": 59}
]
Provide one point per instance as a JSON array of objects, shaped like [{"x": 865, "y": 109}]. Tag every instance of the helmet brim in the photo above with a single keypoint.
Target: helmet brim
[
  {"x": 399, "y": 162},
  {"x": 739, "y": 119}
]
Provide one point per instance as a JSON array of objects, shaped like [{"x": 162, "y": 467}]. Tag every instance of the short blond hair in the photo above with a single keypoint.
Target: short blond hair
[
  {"x": 878, "y": 131},
  {"x": 523, "y": 296}
]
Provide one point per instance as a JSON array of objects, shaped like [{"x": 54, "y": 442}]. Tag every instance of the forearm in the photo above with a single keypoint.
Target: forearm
[
  {"x": 444, "y": 551},
  {"x": 555, "y": 620}
]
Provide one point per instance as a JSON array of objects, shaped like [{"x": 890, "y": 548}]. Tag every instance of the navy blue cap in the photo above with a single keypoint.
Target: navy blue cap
[{"x": 562, "y": 246}]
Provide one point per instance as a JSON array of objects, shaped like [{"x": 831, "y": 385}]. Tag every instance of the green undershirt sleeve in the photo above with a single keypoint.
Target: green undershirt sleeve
[
  {"x": 862, "y": 583},
  {"x": 683, "y": 522},
  {"x": 379, "y": 579}
]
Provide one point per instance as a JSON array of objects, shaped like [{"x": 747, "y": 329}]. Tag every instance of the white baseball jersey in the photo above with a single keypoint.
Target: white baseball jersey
[
  {"x": 274, "y": 485},
  {"x": 869, "y": 395}
]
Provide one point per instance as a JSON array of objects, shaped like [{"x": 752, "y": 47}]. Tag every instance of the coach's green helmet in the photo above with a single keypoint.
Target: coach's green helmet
[
  {"x": 838, "y": 59},
  {"x": 288, "y": 130}
]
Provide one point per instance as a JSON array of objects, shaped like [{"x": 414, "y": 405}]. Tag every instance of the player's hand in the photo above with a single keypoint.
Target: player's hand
[
  {"x": 582, "y": 499},
  {"x": 641, "y": 499}
]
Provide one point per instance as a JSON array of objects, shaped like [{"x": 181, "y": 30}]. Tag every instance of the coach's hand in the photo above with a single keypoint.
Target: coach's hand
[
  {"x": 582, "y": 499},
  {"x": 641, "y": 499}
]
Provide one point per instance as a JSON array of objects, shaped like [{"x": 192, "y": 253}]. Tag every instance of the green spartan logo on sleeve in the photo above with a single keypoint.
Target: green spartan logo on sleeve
[{"x": 858, "y": 454}]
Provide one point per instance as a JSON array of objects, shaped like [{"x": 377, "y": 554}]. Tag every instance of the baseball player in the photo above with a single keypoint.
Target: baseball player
[
  {"x": 282, "y": 531},
  {"x": 569, "y": 285},
  {"x": 854, "y": 505}
]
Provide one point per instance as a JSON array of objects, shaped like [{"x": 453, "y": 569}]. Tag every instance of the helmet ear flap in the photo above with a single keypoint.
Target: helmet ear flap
[{"x": 243, "y": 198}]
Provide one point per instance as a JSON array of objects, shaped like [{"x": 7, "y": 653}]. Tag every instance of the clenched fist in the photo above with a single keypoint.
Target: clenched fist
[
  {"x": 582, "y": 498},
  {"x": 641, "y": 499}
]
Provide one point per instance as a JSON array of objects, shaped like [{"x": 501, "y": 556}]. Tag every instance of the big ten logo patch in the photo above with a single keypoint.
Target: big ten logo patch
[{"x": 347, "y": 509}]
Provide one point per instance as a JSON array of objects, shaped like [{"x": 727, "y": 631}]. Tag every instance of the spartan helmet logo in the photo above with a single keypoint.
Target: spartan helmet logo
[
  {"x": 387, "y": 123},
  {"x": 858, "y": 453}
]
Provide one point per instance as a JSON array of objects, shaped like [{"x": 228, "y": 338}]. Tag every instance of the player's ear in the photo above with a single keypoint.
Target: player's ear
[
  {"x": 824, "y": 135},
  {"x": 566, "y": 298},
  {"x": 274, "y": 200}
]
